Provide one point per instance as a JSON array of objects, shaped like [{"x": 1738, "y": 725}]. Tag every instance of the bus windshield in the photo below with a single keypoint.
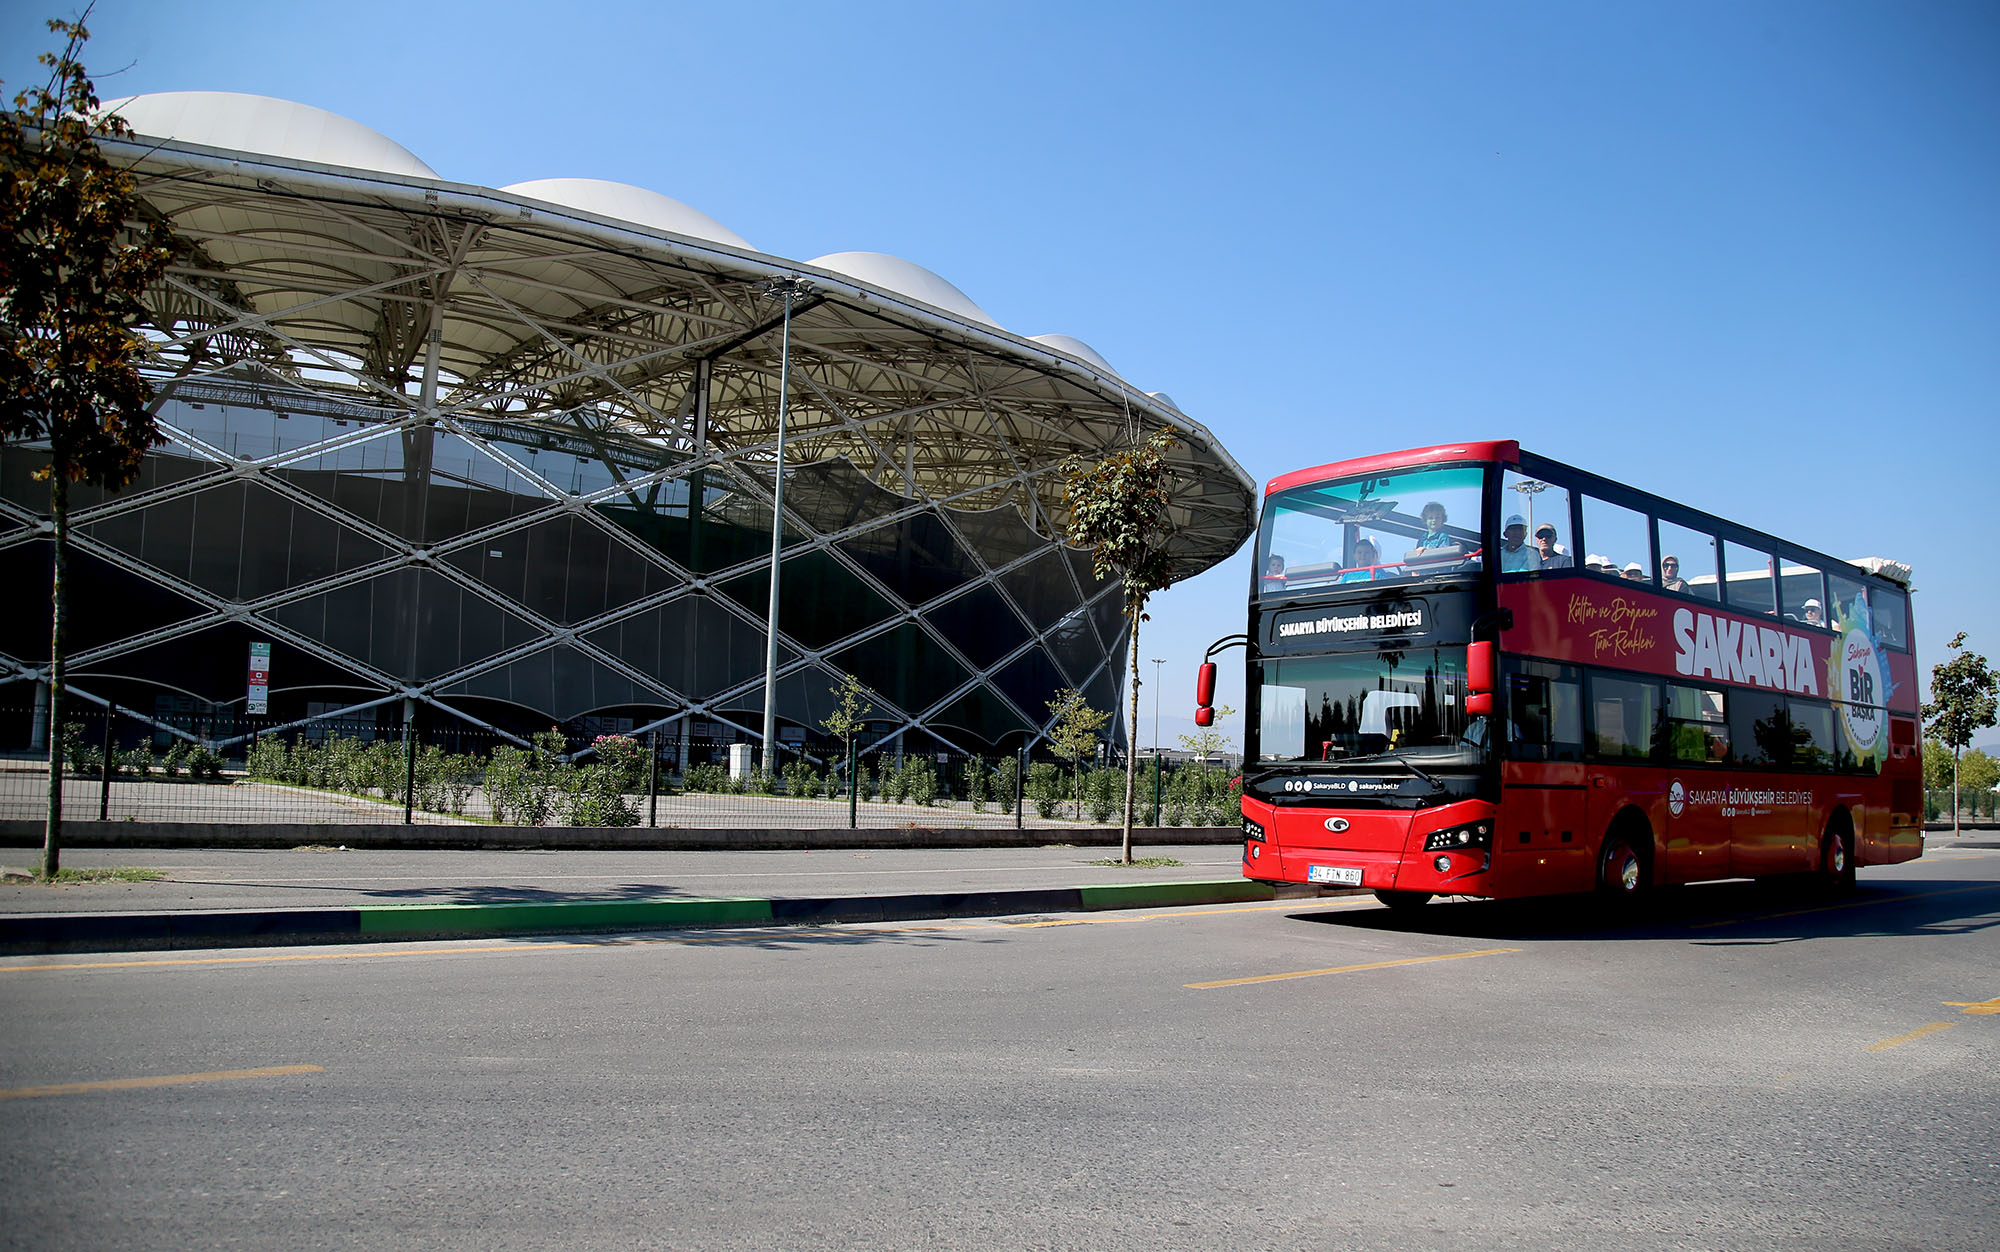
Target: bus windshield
[
  {"x": 1390, "y": 527},
  {"x": 1362, "y": 704}
]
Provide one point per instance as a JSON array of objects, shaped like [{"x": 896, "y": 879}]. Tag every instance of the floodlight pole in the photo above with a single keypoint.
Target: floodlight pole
[
  {"x": 789, "y": 289},
  {"x": 1158, "y": 661}
]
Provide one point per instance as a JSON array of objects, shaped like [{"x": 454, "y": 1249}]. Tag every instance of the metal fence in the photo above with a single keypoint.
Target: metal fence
[
  {"x": 118, "y": 767},
  {"x": 1974, "y": 804}
]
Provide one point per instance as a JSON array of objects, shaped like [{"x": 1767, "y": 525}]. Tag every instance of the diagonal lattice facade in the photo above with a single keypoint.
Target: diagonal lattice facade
[{"x": 514, "y": 462}]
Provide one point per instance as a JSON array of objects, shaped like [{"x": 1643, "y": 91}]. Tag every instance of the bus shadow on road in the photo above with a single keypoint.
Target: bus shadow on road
[{"x": 1713, "y": 914}]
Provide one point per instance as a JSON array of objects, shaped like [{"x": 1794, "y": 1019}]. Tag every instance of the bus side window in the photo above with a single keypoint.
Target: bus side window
[
  {"x": 1625, "y": 717},
  {"x": 1802, "y": 593},
  {"x": 1544, "y": 712},
  {"x": 1747, "y": 585},
  {"x": 1698, "y": 725},
  {"x": 1624, "y": 537},
  {"x": 1687, "y": 561}
]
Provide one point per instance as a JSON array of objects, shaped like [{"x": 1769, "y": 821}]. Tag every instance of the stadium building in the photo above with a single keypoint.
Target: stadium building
[{"x": 508, "y": 457}]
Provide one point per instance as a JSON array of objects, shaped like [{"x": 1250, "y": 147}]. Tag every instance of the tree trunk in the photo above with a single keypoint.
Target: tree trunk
[
  {"x": 1132, "y": 728},
  {"x": 1955, "y": 789},
  {"x": 58, "y": 595}
]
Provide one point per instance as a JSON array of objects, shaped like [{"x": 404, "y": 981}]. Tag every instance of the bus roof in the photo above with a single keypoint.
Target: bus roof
[{"x": 1504, "y": 450}]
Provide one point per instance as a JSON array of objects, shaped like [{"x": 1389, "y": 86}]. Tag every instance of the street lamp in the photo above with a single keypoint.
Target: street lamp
[
  {"x": 789, "y": 289},
  {"x": 1158, "y": 661}
]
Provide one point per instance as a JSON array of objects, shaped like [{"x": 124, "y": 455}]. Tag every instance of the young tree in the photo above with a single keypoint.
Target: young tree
[
  {"x": 1073, "y": 737},
  {"x": 1963, "y": 702},
  {"x": 1118, "y": 510},
  {"x": 850, "y": 717},
  {"x": 77, "y": 255}
]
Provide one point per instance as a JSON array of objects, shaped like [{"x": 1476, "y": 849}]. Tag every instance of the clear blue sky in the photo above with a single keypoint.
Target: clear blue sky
[{"x": 1742, "y": 253}]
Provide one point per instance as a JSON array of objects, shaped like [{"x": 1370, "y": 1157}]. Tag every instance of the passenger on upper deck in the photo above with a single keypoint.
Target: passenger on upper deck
[
  {"x": 1553, "y": 557},
  {"x": 1670, "y": 573},
  {"x": 1515, "y": 554},
  {"x": 1635, "y": 571},
  {"x": 1365, "y": 562},
  {"x": 1274, "y": 574},
  {"x": 1436, "y": 550},
  {"x": 1597, "y": 563},
  {"x": 1813, "y": 615}
]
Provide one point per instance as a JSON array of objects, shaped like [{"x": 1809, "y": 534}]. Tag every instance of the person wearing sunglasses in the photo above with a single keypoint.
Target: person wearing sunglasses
[{"x": 1670, "y": 574}]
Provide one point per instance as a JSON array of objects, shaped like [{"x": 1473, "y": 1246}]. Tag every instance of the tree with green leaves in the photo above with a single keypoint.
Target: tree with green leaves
[
  {"x": 1073, "y": 728},
  {"x": 1965, "y": 699},
  {"x": 1118, "y": 511},
  {"x": 78, "y": 252},
  {"x": 850, "y": 717}
]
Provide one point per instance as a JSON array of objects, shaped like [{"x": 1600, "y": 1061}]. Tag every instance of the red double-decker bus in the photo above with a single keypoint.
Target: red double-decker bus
[{"x": 1477, "y": 671}]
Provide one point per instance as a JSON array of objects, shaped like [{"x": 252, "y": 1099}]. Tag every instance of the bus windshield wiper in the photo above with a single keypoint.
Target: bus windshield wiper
[{"x": 1432, "y": 783}]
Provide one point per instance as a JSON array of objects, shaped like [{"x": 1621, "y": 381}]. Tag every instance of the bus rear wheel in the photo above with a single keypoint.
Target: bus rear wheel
[
  {"x": 1836, "y": 859},
  {"x": 1404, "y": 899}
]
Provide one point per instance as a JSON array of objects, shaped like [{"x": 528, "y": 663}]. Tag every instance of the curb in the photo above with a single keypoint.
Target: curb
[
  {"x": 110, "y": 932},
  {"x": 21, "y": 833}
]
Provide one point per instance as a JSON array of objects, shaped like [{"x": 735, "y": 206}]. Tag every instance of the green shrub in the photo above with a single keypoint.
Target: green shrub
[
  {"x": 137, "y": 760},
  {"x": 801, "y": 779},
  {"x": 204, "y": 762},
  {"x": 594, "y": 795},
  {"x": 976, "y": 783},
  {"x": 920, "y": 781},
  {"x": 706, "y": 777},
  {"x": 1047, "y": 788},
  {"x": 267, "y": 759},
  {"x": 626, "y": 756},
  {"x": 1006, "y": 779},
  {"x": 519, "y": 793}
]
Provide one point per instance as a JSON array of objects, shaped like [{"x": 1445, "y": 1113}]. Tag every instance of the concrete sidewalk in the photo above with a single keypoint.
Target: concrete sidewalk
[{"x": 235, "y": 897}]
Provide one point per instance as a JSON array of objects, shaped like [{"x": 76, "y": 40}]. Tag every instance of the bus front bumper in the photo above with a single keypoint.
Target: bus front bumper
[{"x": 1373, "y": 850}]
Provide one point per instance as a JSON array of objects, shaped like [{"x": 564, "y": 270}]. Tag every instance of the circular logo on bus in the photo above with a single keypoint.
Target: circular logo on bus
[
  {"x": 1862, "y": 676},
  {"x": 1336, "y": 824},
  {"x": 1677, "y": 798}
]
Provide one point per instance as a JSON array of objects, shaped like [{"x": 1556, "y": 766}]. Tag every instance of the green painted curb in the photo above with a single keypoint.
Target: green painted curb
[
  {"x": 1167, "y": 894},
  {"x": 544, "y": 915}
]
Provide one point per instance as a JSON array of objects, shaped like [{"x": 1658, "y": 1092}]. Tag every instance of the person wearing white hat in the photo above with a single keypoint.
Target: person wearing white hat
[
  {"x": 1814, "y": 615},
  {"x": 1598, "y": 563},
  {"x": 1635, "y": 571},
  {"x": 1515, "y": 554}
]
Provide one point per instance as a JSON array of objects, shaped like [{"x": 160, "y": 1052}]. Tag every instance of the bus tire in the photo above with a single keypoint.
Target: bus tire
[
  {"x": 1621, "y": 864},
  {"x": 1836, "y": 855},
  {"x": 1400, "y": 900}
]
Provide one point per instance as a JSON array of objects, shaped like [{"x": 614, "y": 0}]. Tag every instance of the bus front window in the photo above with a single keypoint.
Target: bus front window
[
  {"x": 1336, "y": 708},
  {"x": 1391, "y": 527}
]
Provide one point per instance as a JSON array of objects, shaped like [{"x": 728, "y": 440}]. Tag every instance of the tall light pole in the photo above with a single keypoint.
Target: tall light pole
[
  {"x": 1158, "y": 661},
  {"x": 789, "y": 289}
]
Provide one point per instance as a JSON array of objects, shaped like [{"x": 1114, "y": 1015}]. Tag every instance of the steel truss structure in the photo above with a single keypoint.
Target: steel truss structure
[{"x": 513, "y": 462}]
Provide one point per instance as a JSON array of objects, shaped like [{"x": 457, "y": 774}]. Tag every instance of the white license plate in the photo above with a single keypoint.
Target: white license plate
[{"x": 1338, "y": 875}]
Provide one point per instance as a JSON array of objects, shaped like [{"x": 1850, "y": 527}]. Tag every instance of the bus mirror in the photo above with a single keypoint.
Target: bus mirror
[
  {"x": 1479, "y": 703},
  {"x": 1479, "y": 671},
  {"x": 1204, "y": 716},
  {"x": 1204, "y": 685}
]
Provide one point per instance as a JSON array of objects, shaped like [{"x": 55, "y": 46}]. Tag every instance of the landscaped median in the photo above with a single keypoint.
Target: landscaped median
[{"x": 101, "y": 932}]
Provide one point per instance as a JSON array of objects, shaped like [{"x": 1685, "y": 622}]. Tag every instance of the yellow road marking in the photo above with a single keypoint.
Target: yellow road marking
[
  {"x": 1928, "y": 1029},
  {"x": 1979, "y": 1008},
  {"x": 1849, "y": 904},
  {"x": 762, "y": 934},
  {"x": 158, "y": 1080},
  {"x": 1344, "y": 969}
]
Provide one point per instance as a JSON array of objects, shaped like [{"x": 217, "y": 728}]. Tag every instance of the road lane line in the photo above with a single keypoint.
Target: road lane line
[
  {"x": 1344, "y": 969},
  {"x": 1979, "y": 1008},
  {"x": 1928, "y": 1029},
  {"x": 1849, "y": 904},
  {"x": 158, "y": 1080}
]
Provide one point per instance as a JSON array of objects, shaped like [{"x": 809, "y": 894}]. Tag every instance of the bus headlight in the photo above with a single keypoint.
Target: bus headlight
[
  {"x": 1252, "y": 830},
  {"x": 1470, "y": 835}
]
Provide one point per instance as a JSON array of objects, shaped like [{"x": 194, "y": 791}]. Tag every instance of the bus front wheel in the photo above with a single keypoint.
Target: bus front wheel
[
  {"x": 1621, "y": 872},
  {"x": 1404, "y": 899}
]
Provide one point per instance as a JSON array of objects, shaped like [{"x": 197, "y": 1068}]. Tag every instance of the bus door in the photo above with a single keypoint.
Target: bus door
[
  {"x": 1697, "y": 841},
  {"x": 1543, "y": 840}
]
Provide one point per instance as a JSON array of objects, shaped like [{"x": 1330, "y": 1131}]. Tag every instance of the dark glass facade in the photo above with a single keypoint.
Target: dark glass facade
[{"x": 516, "y": 585}]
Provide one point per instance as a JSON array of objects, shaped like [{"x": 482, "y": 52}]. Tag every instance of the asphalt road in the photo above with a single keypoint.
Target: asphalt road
[{"x": 1740, "y": 1067}]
